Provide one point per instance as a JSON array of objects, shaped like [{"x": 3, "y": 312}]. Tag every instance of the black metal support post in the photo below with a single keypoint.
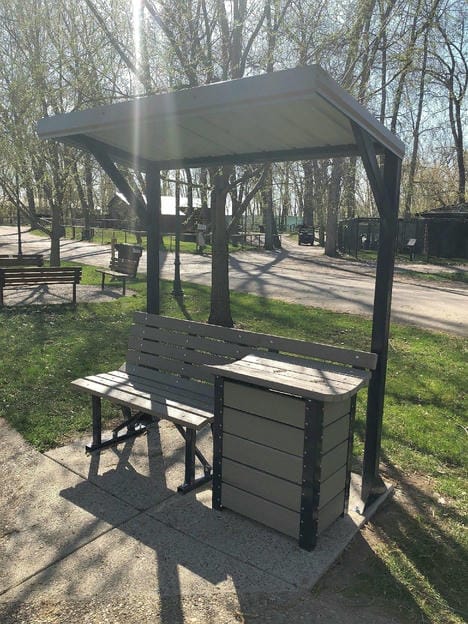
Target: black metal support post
[
  {"x": 372, "y": 484},
  {"x": 385, "y": 184},
  {"x": 218, "y": 443},
  {"x": 18, "y": 225},
  {"x": 135, "y": 424},
  {"x": 177, "y": 288},
  {"x": 96, "y": 410},
  {"x": 192, "y": 452},
  {"x": 153, "y": 199},
  {"x": 311, "y": 468}
]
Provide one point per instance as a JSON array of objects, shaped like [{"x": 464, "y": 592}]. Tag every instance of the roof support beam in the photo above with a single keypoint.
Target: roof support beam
[
  {"x": 368, "y": 154},
  {"x": 385, "y": 184},
  {"x": 101, "y": 154},
  {"x": 153, "y": 198}
]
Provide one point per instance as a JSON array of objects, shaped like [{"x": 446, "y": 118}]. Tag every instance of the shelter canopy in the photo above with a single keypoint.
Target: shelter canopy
[{"x": 294, "y": 114}]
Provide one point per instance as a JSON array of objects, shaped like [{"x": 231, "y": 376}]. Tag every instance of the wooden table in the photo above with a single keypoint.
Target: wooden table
[{"x": 283, "y": 435}]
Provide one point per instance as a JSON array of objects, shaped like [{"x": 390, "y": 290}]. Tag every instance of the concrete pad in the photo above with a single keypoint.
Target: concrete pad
[
  {"x": 77, "y": 537},
  {"x": 38, "y": 524},
  {"x": 142, "y": 471},
  {"x": 145, "y": 557},
  {"x": 264, "y": 548}
]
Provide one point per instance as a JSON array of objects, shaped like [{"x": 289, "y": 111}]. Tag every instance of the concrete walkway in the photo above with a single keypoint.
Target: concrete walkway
[
  {"x": 300, "y": 275},
  {"x": 111, "y": 528}
]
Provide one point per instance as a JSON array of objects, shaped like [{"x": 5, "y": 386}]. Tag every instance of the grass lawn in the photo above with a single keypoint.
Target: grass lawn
[{"x": 419, "y": 565}]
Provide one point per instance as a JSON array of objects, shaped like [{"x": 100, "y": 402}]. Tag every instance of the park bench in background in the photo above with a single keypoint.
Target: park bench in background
[
  {"x": 167, "y": 376},
  {"x": 15, "y": 277},
  {"x": 124, "y": 266},
  {"x": 12, "y": 260}
]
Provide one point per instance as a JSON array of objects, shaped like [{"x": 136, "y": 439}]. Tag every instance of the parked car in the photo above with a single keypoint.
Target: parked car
[{"x": 306, "y": 236}]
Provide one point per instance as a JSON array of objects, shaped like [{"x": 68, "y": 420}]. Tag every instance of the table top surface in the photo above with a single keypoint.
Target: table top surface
[{"x": 292, "y": 375}]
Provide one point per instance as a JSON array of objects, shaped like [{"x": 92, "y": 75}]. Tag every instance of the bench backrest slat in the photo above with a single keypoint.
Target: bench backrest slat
[
  {"x": 169, "y": 379},
  {"x": 183, "y": 369},
  {"x": 35, "y": 275},
  {"x": 15, "y": 260},
  {"x": 167, "y": 348},
  {"x": 356, "y": 358},
  {"x": 190, "y": 341},
  {"x": 124, "y": 265},
  {"x": 173, "y": 352}
]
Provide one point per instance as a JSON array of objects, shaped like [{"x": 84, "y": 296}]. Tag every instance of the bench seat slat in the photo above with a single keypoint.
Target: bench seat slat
[
  {"x": 135, "y": 389},
  {"x": 133, "y": 384},
  {"x": 149, "y": 403},
  {"x": 115, "y": 274}
]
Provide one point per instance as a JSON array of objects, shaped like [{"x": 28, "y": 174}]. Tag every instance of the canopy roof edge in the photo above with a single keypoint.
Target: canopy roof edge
[{"x": 294, "y": 114}]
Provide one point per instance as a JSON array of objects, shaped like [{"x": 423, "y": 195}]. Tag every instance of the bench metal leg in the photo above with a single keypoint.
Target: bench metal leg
[
  {"x": 96, "y": 411},
  {"x": 124, "y": 286},
  {"x": 102, "y": 280},
  {"x": 192, "y": 452},
  {"x": 135, "y": 425}
]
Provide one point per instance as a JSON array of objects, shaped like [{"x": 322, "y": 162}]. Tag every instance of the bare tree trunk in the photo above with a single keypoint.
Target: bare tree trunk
[
  {"x": 416, "y": 133},
  {"x": 349, "y": 188},
  {"x": 269, "y": 222},
  {"x": 333, "y": 208},
  {"x": 220, "y": 308},
  {"x": 308, "y": 217}
]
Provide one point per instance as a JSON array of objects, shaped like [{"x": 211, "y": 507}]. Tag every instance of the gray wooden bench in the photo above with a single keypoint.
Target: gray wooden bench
[
  {"x": 167, "y": 376},
  {"x": 12, "y": 260},
  {"x": 15, "y": 277},
  {"x": 123, "y": 266}
]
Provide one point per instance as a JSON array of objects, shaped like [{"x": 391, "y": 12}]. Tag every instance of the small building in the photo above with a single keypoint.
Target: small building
[{"x": 117, "y": 210}]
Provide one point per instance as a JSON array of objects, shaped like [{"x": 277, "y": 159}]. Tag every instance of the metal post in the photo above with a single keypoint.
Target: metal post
[
  {"x": 372, "y": 484},
  {"x": 153, "y": 192},
  {"x": 18, "y": 223},
  {"x": 18, "y": 218},
  {"x": 96, "y": 410},
  {"x": 311, "y": 468},
  {"x": 385, "y": 185},
  {"x": 177, "y": 288}
]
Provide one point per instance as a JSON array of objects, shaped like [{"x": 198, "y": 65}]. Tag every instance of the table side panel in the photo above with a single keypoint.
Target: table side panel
[
  {"x": 331, "y": 512},
  {"x": 272, "y": 405},
  {"x": 333, "y": 459},
  {"x": 272, "y": 461},
  {"x": 261, "y": 510},
  {"x": 264, "y": 431},
  {"x": 261, "y": 484}
]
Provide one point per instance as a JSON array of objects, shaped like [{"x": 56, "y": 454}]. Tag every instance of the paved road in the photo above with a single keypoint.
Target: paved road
[{"x": 297, "y": 274}]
